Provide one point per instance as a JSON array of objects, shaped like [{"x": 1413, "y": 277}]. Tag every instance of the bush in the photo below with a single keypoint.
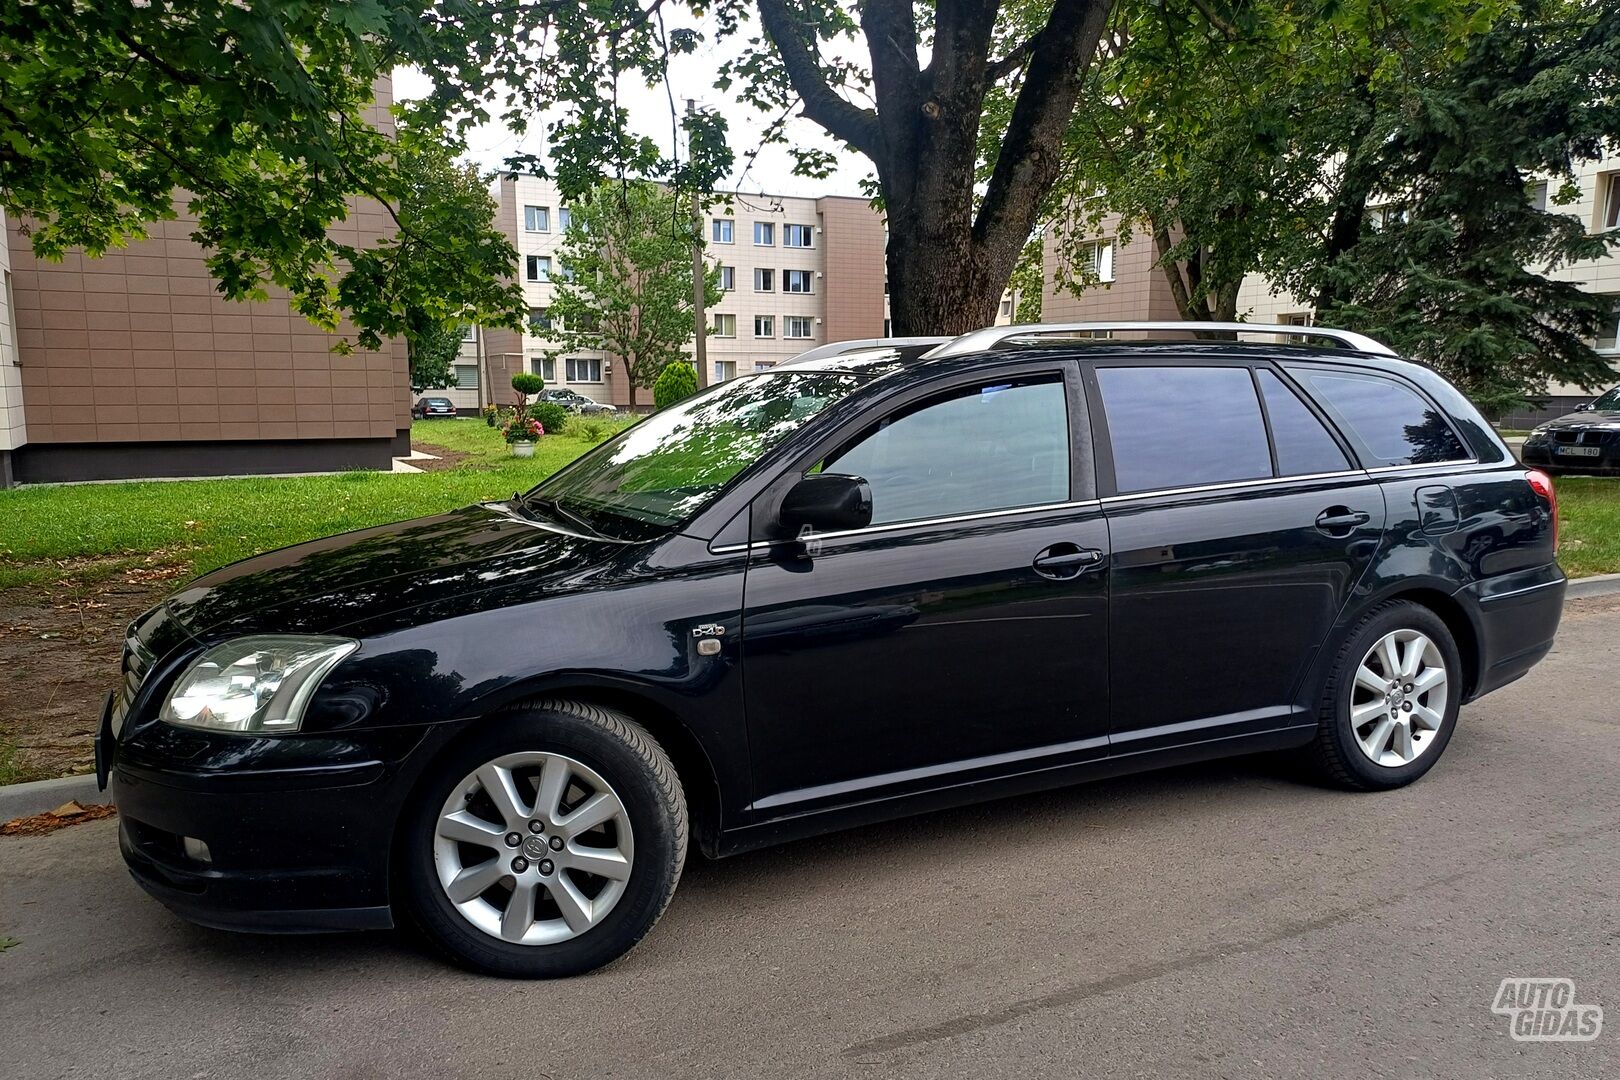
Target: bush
[
  {"x": 492, "y": 415},
  {"x": 675, "y": 382},
  {"x": 526, "y": 384},
  {"x": 552, "y": 416}
]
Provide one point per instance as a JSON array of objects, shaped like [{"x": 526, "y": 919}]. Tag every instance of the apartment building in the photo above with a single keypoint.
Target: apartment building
[
  {"x": 133, "y": 365},
  {"x": 794, "y": 273},
  {"x": 1131, "y": 287}
]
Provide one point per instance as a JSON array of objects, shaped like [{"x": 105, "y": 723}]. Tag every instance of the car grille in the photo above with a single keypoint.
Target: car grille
[
  {"x": 136, "y": 664},
  {"x": 1582, "y": 437}
]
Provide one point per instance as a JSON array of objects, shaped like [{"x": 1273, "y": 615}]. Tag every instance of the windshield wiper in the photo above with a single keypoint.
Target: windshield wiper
[{"x": 557, "y": 510}]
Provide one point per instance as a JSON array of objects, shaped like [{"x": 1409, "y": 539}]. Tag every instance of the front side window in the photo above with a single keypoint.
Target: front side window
[
  {"x": 764, "y": 234},
  {"x": 584, "y": 369},
  {"x": 798, "y": 236},
  {"x": 764, "y": 326},
  {"x": 1393, "y": 423},
  {"x": 721, "y": 230},
  {"x": 796, "y": 281},
  {"x": 1177, "y": 427},
  {"x": 989, "y": 447},
  {"x": 537, "y": 219},
  {"x": 1303, "y": 444},
  {"x": 764, "y": 280},
  {"x": 667, "y": 468}
]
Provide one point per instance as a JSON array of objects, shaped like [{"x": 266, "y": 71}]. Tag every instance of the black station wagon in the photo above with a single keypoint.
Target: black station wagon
[{"x": 847, "y": 589}]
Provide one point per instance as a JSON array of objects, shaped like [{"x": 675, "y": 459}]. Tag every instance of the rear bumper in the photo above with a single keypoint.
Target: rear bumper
[{"x": 1517, "y": 617}]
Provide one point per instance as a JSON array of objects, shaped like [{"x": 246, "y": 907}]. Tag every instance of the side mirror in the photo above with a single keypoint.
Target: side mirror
[
  {"x": 1585, "y": 406},
  {"x": 827, "y": 502}
]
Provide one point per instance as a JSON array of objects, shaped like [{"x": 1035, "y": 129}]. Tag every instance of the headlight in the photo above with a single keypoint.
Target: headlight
[{"x": 253, "y": 684}]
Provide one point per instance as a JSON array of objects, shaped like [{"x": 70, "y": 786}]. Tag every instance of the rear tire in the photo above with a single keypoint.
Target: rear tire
[
  {"x": 601, "y": 827},
  {"x": 1391, "y": 700}
]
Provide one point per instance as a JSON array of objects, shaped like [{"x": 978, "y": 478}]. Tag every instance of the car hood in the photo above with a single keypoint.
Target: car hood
[
  {"x": 328, "y": 584},
  {"x": 1605, "y": 419}
]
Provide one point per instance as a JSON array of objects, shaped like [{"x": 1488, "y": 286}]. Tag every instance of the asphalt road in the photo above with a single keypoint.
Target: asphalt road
[{"x": 1215, "y": 921}]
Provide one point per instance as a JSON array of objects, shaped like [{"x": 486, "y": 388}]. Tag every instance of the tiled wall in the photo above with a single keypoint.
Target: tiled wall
[{"x": 13, "y": 429}]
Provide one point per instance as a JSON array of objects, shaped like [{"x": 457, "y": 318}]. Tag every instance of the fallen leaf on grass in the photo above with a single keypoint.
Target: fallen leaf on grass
[{"x": 67, "y": 814}]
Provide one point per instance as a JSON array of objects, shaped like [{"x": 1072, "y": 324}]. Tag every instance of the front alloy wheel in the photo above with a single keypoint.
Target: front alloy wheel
[{"x": 545, "y": 843}]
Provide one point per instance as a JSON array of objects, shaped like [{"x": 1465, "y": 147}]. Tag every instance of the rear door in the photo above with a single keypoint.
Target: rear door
[{"x": 1239, "y": 525}]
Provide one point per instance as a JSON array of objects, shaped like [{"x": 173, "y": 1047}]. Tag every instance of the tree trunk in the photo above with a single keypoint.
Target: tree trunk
[{"x": 951, "y": 250}]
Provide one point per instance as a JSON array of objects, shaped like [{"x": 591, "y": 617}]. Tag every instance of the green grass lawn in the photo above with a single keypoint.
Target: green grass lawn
[{"x": 87, "y": 531}]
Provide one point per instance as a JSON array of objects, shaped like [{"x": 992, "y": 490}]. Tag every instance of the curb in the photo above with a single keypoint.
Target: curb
[
  {"x": 25, "y": 800},
  {"x": 1596, "y": 585}
]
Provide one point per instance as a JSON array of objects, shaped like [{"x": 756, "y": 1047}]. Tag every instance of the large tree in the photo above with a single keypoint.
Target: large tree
[
  {"x": 259, "y": 111},
  {"x": 624, "y": 280}
]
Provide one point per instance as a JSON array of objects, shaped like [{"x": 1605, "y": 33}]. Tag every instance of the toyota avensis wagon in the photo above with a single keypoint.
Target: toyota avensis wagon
[{"x": 850, "y": 588}]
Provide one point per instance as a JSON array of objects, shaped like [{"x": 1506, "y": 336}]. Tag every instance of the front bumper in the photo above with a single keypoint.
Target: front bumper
[
  {"x": 1549, "y": 454},
  {"x": 299, "y": 829}
]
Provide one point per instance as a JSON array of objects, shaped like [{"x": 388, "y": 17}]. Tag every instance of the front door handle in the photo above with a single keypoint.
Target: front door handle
[
  {"x": 1062, "y": 561},
  {"x": 1341, "y": 519}
]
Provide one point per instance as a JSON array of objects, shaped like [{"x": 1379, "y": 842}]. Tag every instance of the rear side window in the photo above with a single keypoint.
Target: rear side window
[
  {"x": 1303, "y": 444},
  {"x": 990, "y": 447},
  {"x": 1396, "y": 426},
  {"x": 1173, "y": 427}
]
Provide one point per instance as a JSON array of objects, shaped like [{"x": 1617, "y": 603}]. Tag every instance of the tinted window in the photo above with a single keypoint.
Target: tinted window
[
  {"x": 985, "y": 448},
  {"x": 1303, "y": 444},
  {"x": 1173, "y": 427},
  {"x": 1396, "y": 425}
]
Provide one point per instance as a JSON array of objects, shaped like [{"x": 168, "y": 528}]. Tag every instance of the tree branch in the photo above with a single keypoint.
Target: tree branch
[
  {"x": 856, "y": 126},
  {"x": 1222, "y": 27},
  {"x": 1000, "y": 69}
]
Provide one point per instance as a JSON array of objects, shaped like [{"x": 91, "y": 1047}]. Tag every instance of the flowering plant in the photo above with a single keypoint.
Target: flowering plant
[{"x": 522, "y": 429}]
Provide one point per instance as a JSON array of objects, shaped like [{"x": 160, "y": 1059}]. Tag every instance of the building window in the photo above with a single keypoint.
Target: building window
[
  {"x": 469, "y": 332},
  {"x": 539, "y": 320},
  {"x": 888, "y": 328},
  {"x": 725, "y": 325},
  {"x": 1097, "y": 260},
  {"x": 1609, "y": 186},
  {"x": 720, "y": 230},
  {"x": 536, "y": 219},
  {"x": 764, "y": 365},
  {"x": 796, "y": 326},
  {"x": 538, "y": 267},
  {"x": 725, "y": 369},
  {"x": 544, "y": 366},
  {"x": 728, "y": 279},
  {"x": 764, "y": 326},
  {"x": 466, "y": 376},
  {"x": 796, "y": 281},
  {"x": 583, "y": 369},
  {"x": 565, "y": 218},
  {"x": 764, "y": 280},
  {"x": 1006, "y": 309},
  {"x": 1296, "y": 318},
  {"x": 798, "y": 236},
  {"x": 1609, "y": 337},
  {"x": 1538, "y": 194},
  {"x": 764, "y": 234}
]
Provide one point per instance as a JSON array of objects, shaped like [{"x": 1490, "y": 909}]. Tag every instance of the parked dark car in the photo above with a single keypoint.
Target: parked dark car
[
  {"x": 846, "y": 590},
  {"x": 433, "y": 406},
  {"x": 1585, "y": 441},
  {"x": 574, "y": 402}
]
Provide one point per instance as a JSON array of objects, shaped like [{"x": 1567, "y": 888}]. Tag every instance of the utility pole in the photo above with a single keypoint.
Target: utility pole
[{"x": 700, "y": 319}]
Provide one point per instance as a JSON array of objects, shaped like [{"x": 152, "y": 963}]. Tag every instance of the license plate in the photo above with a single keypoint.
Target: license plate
[{"x": 1580, "y": 451}]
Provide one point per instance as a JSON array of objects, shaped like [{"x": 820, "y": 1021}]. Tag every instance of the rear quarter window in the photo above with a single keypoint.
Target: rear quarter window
[{"x": 1393, "y": 423}]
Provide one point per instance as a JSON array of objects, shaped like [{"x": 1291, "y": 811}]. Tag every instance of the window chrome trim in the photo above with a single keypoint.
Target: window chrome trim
[
  {"x": 1428, "y": 466},
  {"x": 1231, "y": 484},
  {"x": 915, "y": 523}
]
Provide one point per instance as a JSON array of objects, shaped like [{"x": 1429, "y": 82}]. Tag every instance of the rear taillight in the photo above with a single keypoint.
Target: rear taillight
[{"x": 1542, "y": 485}]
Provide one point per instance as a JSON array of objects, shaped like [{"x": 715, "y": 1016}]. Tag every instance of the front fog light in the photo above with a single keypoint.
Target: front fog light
[
  {"x": 253, "y": 684},
  {"x": 196, "y": 850}
]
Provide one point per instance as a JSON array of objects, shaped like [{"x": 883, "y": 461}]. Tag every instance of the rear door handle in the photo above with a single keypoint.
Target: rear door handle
[
  {"x": 1061, "y": 561},
  {"x": 1341, "y": 519}
]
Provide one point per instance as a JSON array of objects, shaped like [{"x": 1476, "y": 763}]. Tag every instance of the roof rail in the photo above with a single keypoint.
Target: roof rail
[
  {"x": 991, "y": 336},
  {"x": 840, "y": 348}
]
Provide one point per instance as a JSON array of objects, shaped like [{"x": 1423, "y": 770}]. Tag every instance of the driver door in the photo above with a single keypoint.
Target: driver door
[{"x": 962, "y": 634}]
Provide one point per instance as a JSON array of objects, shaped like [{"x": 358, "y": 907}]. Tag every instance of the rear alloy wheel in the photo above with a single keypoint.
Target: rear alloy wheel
[
  {"x": 545, "y": 845},
  {"x": 1390, "y": 704}
]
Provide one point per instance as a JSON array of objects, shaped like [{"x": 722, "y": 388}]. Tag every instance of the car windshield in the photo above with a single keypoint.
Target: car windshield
[
  {"x": 1609, "y": 402},
  {"x": 664, "y": 470}
]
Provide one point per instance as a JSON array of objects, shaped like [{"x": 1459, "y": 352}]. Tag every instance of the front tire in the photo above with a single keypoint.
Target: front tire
[
  {"x": 547, "y": 844},
  {"x": 1391, "y": 700}
]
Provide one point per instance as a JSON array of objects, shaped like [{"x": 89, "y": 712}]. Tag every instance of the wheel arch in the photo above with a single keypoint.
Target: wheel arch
[{"x": 1439, "y": 596}]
